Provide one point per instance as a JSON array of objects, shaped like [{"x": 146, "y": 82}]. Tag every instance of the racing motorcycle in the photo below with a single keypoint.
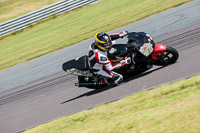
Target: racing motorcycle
[{"x": 142, "y": 50}]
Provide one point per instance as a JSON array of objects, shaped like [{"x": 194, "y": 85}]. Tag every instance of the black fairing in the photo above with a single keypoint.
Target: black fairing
[
  {"x": 80, "y": 63},
  {"x": 117, "y": 50},
  {"x": 138, "y": 39}
]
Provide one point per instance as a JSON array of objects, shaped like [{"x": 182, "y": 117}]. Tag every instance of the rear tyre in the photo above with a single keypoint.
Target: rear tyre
[{"x": 169, "y": 56}]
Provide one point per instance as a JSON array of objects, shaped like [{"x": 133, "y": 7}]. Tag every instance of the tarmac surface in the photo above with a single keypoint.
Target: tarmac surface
[
  {"x": 156, "y": 25},
  {"x": 46, "y": 98}
]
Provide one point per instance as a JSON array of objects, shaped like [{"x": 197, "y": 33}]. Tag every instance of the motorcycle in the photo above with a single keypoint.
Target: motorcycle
[{"x": 142, "y": 50}]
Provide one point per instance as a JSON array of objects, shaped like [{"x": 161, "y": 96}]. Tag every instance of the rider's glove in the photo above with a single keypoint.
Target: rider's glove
[
  {"x": 126, "y": 61},
  {"x": 123, "y": 34}
]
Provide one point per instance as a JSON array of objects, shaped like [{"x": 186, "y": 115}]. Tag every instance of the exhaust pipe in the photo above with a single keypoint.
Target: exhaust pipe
[{"x": 86, "y": 84}]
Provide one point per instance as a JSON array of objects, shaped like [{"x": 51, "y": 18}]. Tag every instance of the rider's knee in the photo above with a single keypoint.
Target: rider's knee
[{"x": 116, "y": 79}]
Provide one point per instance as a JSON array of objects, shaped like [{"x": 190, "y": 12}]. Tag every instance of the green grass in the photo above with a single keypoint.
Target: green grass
[
  {"x": 77, "y": 26},
  {"x": 173, "y": 107},
  {"x": 10, "y": 9}
]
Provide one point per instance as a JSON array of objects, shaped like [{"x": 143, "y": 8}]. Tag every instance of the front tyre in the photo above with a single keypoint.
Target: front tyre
[{"x": 169, "y": 56}]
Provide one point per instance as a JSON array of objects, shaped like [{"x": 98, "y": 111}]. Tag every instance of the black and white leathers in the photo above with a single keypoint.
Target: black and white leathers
[{"x": 101, "y": 65}]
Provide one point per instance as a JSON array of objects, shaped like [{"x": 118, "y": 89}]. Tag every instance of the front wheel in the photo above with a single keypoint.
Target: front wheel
[{"x": 169, "y": 56}]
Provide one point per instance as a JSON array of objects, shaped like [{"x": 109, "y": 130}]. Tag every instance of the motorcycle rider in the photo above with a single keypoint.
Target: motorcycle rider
[{"x": 98, "y": 60}]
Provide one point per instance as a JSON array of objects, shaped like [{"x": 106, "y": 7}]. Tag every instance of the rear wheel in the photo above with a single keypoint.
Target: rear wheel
[{"x": 169, "y": 56}]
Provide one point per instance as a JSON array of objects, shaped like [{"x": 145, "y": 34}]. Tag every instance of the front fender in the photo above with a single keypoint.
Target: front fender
[{"x": 159, "y": 48}]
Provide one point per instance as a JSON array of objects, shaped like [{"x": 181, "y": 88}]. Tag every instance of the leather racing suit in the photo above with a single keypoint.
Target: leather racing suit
[{"x": 101, "y": 65}]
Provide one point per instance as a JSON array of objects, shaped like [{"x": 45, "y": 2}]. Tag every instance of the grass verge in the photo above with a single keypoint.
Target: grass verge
[
  {"x": 173, "y": 107},
  {"x": 76, "y": 26},
  {"x": 10, "y": 9}
]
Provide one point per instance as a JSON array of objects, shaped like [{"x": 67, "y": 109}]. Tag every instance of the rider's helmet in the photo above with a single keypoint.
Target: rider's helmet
[{"x": 103, "y": 41}]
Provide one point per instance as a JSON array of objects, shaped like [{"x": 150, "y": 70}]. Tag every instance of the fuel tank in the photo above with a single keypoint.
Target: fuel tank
[{"x": 117, "y": 52}]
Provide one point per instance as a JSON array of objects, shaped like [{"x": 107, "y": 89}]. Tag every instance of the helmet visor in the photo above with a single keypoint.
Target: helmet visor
[{"x": 108, "y": 44}]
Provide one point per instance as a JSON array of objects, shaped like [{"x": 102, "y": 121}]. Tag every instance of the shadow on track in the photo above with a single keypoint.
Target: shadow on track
[{"x": 93, "y": 92}]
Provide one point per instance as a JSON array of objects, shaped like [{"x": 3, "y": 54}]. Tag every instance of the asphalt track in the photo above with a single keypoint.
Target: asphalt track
[
  {"x": 161, "y": 23},
  {"x": 56, "y": 96}
]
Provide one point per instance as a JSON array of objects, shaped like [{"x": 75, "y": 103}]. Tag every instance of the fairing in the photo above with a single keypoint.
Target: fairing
[{"x": 117, "y": 52}]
